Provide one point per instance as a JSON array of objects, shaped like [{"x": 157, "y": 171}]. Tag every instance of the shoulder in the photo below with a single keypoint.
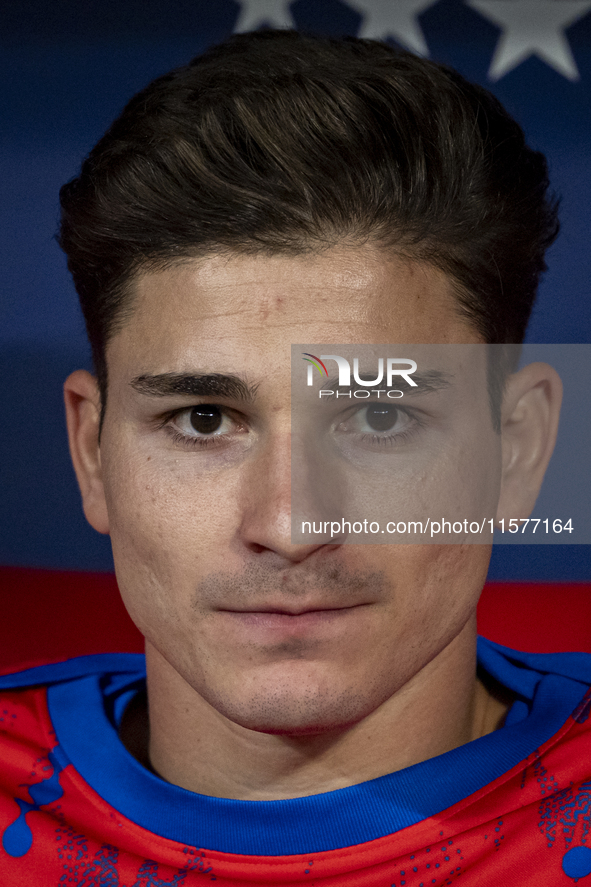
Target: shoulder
[
  {"x": 37, "y": 674},
  {"x": 26, "y": 728}
]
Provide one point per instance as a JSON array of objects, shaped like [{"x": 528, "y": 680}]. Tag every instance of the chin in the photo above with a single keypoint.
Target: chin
[
  {"x": 296, "y": 711},
  {"x": 286, "y": 724}
]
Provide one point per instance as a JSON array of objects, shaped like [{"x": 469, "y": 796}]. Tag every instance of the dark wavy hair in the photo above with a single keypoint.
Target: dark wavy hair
[{"x": 281, "y": 142}]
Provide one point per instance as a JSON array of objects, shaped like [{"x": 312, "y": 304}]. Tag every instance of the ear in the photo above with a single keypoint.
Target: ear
[
  {"x": 529, "y": 424},
  {"x": 83, "y": 410}
]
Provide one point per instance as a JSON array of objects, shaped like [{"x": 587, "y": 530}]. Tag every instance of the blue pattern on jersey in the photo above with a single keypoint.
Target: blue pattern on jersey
[{"x": 18, "y": 837}]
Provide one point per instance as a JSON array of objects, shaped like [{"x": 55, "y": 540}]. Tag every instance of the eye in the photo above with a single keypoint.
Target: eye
[
  {"x": 203, "y": 421},
  {"x": 378, "y": 426},
  {"x": 380, "y": 418},
  {"x": 206, "y": 419}
]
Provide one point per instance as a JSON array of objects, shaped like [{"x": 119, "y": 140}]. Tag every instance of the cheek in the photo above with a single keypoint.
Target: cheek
[
  {"x": 434, "y": 590},
  {"x": 464, "y": 482},
  {"x": 435, "y": 587},
  {"x": 169, "y": 526}
]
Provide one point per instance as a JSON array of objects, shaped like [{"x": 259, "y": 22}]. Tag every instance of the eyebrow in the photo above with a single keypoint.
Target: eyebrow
[
  {"x": 430, "y": 380},
  {"x": 225, "y": 385}
]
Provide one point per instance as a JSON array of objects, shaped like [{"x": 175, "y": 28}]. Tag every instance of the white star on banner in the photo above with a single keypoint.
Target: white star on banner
[
  {"x": 533, "y": 27},
  {"x": 394, "y": 18},
  {"x": 255, "y": 13}
]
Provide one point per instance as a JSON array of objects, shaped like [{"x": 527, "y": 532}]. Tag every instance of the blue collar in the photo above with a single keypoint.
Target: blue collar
[{"x": 86, "y": 694}]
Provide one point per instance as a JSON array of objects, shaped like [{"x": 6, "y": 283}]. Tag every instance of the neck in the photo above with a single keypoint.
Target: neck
[{"x": 192, "y": 745}]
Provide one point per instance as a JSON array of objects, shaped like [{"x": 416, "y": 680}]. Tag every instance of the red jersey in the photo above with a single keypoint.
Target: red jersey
[{"x": 510, "y": 808}]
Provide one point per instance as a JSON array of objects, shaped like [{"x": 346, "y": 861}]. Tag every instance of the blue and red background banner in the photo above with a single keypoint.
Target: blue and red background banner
[{"x": 68, "y": 68}]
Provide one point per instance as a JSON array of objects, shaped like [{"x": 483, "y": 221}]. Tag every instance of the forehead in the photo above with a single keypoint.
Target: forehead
[{"x": 214, "y": 308}]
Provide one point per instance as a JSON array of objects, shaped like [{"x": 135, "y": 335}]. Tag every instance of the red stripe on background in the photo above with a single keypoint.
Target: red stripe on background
[
  {"x": 54, "y": 615},
  {"x": 49, "y": 615}
]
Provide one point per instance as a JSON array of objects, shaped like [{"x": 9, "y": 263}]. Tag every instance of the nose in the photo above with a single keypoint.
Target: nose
[{"x": 270, "y": 492}]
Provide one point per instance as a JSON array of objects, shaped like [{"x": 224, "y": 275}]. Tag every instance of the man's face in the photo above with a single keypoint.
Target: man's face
[{"x": 277, "y": 637}]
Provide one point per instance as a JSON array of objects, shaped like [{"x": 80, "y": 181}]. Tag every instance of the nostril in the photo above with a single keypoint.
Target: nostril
[{"x": 257, "y": 548}]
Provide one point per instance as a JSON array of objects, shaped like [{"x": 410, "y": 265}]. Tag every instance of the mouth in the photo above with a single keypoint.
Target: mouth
[
  {"x": 292, "y": 611},
  {"x": 290, "y": 619}
]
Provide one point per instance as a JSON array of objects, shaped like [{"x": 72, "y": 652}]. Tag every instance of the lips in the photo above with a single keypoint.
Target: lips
[
  {"x": 293, "y": 591},
  {"x": 273, "y": 622},
  {"x": 292, "y": 611}
]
